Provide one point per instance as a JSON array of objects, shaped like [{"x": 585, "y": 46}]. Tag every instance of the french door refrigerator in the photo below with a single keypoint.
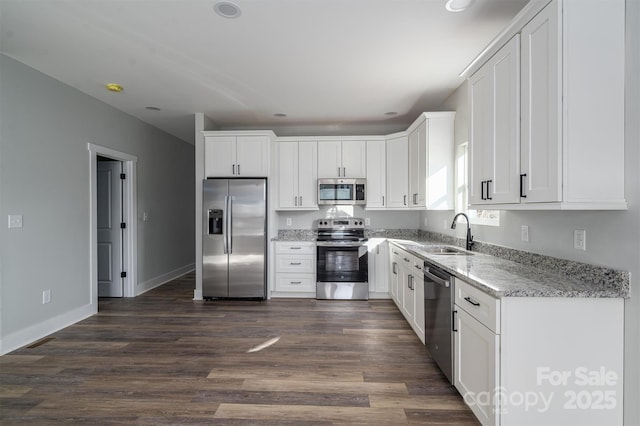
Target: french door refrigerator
[{"x": 234, "y": 243}]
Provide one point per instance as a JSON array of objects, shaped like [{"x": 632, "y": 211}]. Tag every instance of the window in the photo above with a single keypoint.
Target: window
[{"x": 477, "y": 217}]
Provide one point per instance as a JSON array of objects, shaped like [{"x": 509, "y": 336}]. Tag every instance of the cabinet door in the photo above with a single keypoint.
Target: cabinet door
[
  {"x": 480, "y": 129},
  {"x": 382, "y": 267},
  {"x": 541, "y": 143},
  {"x": 418, "y": 303},
  {"x": 397, "y": 172},
  {"x": 418, "y": 166},
  {"x": 408, "y": 299},
  {"x": 476, "y": 372},
  {"x": 504, "y": 162},
  {"x": 287, "y": 174},
  {"x": 329, "y": 159},
  {"x": 307, "y": 174},
  {"x": 252, "y": 154},
  {"x": 354, "y": 159},
  {"x": 376, "y": 174},
  {"x": 219, "y": 156}
]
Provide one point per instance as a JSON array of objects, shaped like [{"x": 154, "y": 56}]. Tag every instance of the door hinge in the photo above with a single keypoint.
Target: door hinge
[
  {"x": 123, "y": 225},
  {"x": 123, "y": 275},
  {"x": 123, "y": 176}
]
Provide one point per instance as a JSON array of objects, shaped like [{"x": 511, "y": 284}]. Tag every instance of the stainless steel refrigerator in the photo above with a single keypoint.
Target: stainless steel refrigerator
[{"x": 234, "y": 243}]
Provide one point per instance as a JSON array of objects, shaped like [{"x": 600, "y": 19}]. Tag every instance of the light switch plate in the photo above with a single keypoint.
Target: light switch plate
[
  {"x": 580, "y": 239},
  {"x": 367, "y": 221},
  {"x": 15, "y": 221},
  {"x": 524, "y": 233},
  {"x": 289, "y": 221}
]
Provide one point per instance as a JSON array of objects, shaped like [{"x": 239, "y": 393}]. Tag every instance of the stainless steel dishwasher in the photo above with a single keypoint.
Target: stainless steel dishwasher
[{"x": 438, "y": 317}]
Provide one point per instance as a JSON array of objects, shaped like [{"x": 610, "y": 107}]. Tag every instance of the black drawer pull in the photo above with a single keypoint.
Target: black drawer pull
[{"x": 468, "y": 299}]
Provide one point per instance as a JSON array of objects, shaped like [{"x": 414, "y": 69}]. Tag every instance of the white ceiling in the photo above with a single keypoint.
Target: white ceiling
[{"x": 333, "y": 66}]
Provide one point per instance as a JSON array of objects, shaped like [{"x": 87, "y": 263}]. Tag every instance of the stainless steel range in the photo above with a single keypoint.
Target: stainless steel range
[{"x": 342, "y": 260}]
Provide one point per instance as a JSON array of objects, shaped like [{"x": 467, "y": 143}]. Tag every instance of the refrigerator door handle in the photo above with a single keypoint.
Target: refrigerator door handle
[
  {"x": 226, "y": 225},
  {"x": 230, "y": 227}
]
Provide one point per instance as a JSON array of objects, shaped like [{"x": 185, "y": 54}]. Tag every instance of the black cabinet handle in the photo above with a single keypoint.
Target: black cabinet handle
[
  {"x": 522, "y": 176},
  {"x": 489, "y": 191},
  {"x": 482, "y": 197},
  {"x": 453, "y": 321},
  {"x": 468, "y": 299}
]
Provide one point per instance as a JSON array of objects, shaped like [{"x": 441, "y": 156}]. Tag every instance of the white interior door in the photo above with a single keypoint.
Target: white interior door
[{"x": 109, "y": 232}]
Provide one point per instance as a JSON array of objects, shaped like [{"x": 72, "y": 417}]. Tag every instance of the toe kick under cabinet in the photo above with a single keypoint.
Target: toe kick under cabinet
[
  {"x": 539, "y": 360},
  {"x": 295, "y": 269}
]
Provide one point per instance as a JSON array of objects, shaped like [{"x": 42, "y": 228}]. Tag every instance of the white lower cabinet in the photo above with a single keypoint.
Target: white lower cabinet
[
  {"x": 295, "y": 269},
  {"x": 378, "y": 267},
  {"x": 539, "y": 360},
  {"x": 407, "y": 287}
]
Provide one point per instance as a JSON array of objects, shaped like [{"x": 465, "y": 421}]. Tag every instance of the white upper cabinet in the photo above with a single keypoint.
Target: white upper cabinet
[
  {"x": 420, "y": 164},
  {"x": 571, "y": 150},
  {"x": 297, "y": 175},
  {"x": 397, "y": 172},
  {"x": 376, "y": 174},
  {"x": 495, "y": 128},
  {"x": 342, "y": 159},
  {"x": 431, "y": 161},
  {"x": 236, "y": 155}
]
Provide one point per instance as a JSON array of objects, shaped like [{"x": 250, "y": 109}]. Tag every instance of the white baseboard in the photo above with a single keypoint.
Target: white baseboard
[
  {"x": 378, "y": 295},
  {"x": 21, "y": 338},
  {"x": 143, "y": 287}
]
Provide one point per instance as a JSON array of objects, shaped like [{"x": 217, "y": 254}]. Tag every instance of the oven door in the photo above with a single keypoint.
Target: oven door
[{"x": 342, "y": 262}]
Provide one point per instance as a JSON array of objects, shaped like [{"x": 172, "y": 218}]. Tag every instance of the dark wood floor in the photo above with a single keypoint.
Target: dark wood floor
[{"x": 163, "y": 358}]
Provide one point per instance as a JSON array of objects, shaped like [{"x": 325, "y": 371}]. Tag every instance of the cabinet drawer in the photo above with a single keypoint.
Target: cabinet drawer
[
  {"x": 295, "y": 282},
  {"x": 295, "y": 264},
  {"x": 295, "y": 247},
  {"x": 478, "y": 304}
]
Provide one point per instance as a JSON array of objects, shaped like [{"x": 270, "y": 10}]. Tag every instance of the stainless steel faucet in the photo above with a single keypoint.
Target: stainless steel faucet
[{"x": 470, "y": 242}]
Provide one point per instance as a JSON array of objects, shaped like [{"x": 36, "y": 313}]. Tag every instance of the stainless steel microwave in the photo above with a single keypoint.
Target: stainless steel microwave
[{"x": 341, "y": 191}]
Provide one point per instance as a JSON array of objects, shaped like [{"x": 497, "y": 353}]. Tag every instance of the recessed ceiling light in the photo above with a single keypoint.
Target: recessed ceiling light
[
  {"x": 113, "y": 87},
  {"x": 280, "y": 114},
  {"x": 152, "y": 108},
  {"x": 458, "y": 5},
  {"x": 391, "y": 113},
  {"x": 227, "y": 9}
]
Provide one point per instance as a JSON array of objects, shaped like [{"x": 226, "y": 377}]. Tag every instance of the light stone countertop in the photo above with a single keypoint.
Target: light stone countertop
[{"x": 504, "y": 278}]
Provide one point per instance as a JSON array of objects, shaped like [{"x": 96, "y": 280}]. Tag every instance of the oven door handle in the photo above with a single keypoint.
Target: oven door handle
[{"x": 338, "y": 245}]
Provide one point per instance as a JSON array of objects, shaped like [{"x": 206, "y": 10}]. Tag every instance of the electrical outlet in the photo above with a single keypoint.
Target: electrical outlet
[
  {"x": 15, "y": 221},
  {"x": 46, "y": 296},
  {"x": 524, "y": 233},
  {"x": 425, "y": 221},
  {"x": 445, "y": 224},
  {"x": 367, "y": 221},
  {"x": 580, "y": 239},
  {"x": 145, "y": 216},
  {"x": 289, "y": 221}
]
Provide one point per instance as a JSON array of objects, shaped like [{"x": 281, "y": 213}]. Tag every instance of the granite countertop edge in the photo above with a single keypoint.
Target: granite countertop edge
[{"x": 505, "y": 278}]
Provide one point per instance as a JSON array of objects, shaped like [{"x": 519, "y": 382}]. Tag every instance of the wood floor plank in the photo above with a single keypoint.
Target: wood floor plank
[
  {"x": 326, "y": 386},
  {"x": 286, "y": 374},
  {"x": 351, "y": 415}
]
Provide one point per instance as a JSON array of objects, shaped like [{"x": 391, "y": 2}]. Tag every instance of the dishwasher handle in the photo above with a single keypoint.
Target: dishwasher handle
[{"x": 436, "y": 279}]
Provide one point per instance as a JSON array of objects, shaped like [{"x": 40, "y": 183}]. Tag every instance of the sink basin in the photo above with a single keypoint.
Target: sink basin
[{"x": 447, "y": 250}]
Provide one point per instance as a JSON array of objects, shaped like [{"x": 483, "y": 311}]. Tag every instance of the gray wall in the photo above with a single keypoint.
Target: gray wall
[
  {"x": 613, "y": 238},
  {"x": 44, "y": 166}
]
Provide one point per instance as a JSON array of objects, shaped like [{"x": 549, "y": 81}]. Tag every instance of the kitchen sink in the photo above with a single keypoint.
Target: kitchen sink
[{"x": 447, "y": 250}]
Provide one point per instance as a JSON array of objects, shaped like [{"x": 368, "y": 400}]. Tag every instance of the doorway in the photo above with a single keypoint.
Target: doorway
[
  {"x": 110, "y": 183},
  {"x": 113, "y": 227}
]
